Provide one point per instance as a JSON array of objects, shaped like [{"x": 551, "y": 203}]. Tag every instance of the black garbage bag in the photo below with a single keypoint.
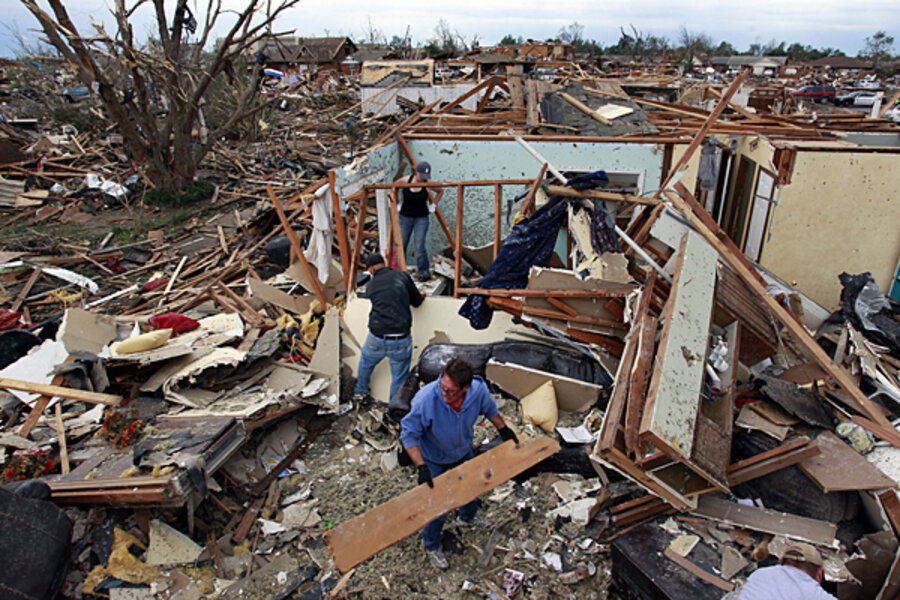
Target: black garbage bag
[
  {"x": 871, "y": 312},
  {"x": 35, "y": 539},
  {"x": 530, "y": 243},
  {"x": 534, "y": 355},
  {"x": 14, "y": 344}
]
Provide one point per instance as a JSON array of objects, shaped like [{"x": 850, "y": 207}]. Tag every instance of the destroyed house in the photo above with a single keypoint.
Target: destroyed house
[
  {"x": 324, "y": 53},
  {"x": 636, "y": 277}
]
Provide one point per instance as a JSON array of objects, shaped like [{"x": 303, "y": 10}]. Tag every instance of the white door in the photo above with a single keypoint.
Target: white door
[{"x": 762, "y": 199}]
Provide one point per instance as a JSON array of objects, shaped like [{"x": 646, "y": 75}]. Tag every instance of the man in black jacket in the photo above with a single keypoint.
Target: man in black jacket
[{"x": 390, "y": 320}]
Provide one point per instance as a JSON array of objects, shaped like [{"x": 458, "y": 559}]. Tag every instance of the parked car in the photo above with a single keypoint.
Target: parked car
[
  {"x": 856, "y": 99},
  {"x": 816, "y": 93},
  {"x": 868, "y": 84}
]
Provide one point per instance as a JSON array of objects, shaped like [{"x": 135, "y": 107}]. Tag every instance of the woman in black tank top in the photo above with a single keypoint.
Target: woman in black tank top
[{"x": 414, "y": 212}]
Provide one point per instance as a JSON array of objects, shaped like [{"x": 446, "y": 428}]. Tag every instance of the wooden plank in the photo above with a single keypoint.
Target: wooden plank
[
  {"x": 701, "y": 133},
  {"x": 296, "y": 248},
  {"x": 20, "y": 299},
  {"x": 40, "y": 405},
  {"x": 768, "y": 521},
  {"x": 61, "y": 433},
  {"x": 673, "y": 400},
  {"x": 891, "y": 505},
  {"x": 340, "y": 225},
  {"x": 697, "y": 571},
  {"x": 775, "y": 463},
  {"x": 615, "y": 408},
  {"x": 838, "y": 467},
  {"x": 788, "y": 446},
  {"x": 365, "y": 536},
  {"x": 60, "y": 391},
  {"x": 560, "y": 190},
  {"x": 728, "y": 251},
  {"x": 640, "y": 377},
  {"x": 888, "y": 434},
  {"x": 584, "y": 108}
]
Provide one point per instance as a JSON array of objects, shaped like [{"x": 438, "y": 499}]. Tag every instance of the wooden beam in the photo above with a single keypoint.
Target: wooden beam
[
  {"x": 487, "y": 82},
  {"x": 561, "y": 190},
  {"x": 584, "y": 108},
  {"x": 20, "y": 299},
  {"x": 60, "y": 391},
  {"x": 396, "y": 234},
  {"x": 498, "y": 212},
  {"x": 535, "y": 293},
  {"x": 296, "y": 248},
  {"x": 364, "y": 536},
  {"x": 774, "y": 463},
  {"x": 813, "y": 531},
  {"x": 457, "y": 247},
  {"x": 61, "y": 434},
  {"x": 340, "y": 225},
  {"x": 697, "y": 571},
  {"x": 701, "y": 133}
]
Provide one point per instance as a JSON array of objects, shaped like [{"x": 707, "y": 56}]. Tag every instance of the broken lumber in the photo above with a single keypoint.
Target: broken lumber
[
  {"x": 768, "y": 521},
  {"x": 60, "y": 391},
  {"x": 364, "y": 536}
]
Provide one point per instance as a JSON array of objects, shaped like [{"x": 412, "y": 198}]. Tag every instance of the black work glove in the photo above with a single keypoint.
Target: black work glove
[
  {"x": 508, "y": 434},
  {"x": 425, "y": 476}
]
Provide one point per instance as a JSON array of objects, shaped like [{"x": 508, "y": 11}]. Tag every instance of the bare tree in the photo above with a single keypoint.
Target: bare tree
[
  {"x": 693, "y": 45},
  {"x": 154, "y": 92}
]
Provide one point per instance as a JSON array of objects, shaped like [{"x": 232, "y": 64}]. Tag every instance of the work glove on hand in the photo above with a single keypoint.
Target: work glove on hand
[
  {"x": 425, "y": 476},
  {"x": 508, "y": 434},
  {"x": 432, "y": 207}
]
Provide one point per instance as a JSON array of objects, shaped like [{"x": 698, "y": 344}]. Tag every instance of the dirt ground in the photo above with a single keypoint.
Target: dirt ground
[{"x": 346, "y": 479}]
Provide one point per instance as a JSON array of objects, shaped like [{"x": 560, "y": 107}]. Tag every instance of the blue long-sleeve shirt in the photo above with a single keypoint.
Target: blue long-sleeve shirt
[{"x": 443, "y": 435}]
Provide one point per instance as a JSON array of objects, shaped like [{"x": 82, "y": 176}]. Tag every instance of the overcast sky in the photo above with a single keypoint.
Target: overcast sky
[{"x": 839, "y": 24}]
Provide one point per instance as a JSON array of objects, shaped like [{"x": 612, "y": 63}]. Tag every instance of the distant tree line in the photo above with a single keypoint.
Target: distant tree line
[{"x": 642, "y": 45}]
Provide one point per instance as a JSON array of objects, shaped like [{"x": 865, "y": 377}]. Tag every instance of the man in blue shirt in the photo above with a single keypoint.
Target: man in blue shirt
[{"x": 438, "y": 433}]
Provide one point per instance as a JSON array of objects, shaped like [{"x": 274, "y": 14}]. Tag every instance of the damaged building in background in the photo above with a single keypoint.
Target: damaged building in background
[{"x": 679, "y": 305}]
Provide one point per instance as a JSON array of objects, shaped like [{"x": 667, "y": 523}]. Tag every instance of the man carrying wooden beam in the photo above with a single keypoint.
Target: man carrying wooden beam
[{"x": 438, "y": 433}]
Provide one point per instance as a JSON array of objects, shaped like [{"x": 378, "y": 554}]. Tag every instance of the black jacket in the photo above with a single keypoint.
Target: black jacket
[{"x": 391, "y": 293}]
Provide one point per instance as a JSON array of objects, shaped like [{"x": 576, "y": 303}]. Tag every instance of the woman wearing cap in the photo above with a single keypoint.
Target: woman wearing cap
[{"x": 414, "y": 211}]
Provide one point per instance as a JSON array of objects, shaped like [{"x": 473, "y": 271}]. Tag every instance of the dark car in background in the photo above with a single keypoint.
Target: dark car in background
[{"x": 817, "y": 93}]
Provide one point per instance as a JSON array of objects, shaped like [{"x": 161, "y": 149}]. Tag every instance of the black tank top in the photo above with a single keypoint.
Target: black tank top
[{"x": 415, "y": 204}]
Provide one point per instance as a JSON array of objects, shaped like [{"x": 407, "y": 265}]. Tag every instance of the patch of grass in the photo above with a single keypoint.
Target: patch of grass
[
  {"x": 196, "y": 191},
  {"x": 138, "y": 231}
]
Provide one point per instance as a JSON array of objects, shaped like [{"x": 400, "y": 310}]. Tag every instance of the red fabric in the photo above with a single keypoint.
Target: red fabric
[
  {"x": 9, "y": 319},
  {"x": 112, "y": 263},
  {"x": 153, "y": 284},
  {"x": 177, "y": 323}
]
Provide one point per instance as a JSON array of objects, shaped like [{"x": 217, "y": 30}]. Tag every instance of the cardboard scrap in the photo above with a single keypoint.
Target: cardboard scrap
[{"x": 168, "y": 546}]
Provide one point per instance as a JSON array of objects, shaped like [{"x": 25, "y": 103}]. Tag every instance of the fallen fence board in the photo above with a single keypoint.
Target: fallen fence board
[
  {"x": 767, "y": 521},
  {"x": 365, "y": 536},
  {"x": 839, "y": 467}
]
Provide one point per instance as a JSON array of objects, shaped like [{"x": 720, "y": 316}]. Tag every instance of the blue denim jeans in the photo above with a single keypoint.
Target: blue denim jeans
[
  {"x": 431, "y": 535},
  {"x": 419, "y": 226},
  {"x": 399, "y": 352}
]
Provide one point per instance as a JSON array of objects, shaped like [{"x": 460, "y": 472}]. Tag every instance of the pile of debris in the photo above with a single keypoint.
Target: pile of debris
[{"x": 188, "y": 398}]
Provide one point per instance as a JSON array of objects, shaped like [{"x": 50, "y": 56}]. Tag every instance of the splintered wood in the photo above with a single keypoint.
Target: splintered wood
[{"x": 365, "y": 536}]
